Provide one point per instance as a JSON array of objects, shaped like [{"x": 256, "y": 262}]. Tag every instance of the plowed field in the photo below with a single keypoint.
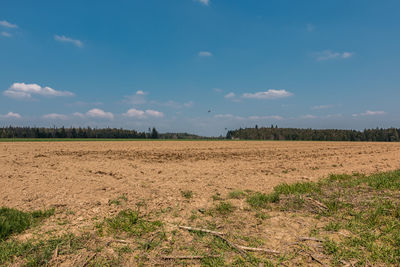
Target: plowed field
[{"x": 82, "y": 180}]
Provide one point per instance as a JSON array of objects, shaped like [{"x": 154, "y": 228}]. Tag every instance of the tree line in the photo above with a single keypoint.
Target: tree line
[
  {"x": 256, "y": 133},
  {"x": 42, "y": 132},
  {"x": 275, "y": 133},
  {"x": 92, "y": 133}
]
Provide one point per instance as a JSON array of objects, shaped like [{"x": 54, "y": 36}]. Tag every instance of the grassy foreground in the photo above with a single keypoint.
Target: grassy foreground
[{"x": 356, "y": 221}]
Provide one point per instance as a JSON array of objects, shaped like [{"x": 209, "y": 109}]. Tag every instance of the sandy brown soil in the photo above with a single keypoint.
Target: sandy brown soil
[
  {"x": 88, "y": 174},
  {"x": 82, "y": 177}
]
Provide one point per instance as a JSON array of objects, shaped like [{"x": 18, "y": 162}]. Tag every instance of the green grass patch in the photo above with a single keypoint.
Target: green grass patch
[
  {"x": 225, "y": 208},
  {"x": 237, "y": 194},
  {"x": 13, "y": 221},
  {"x": 260, "y": 201},
  {"x": 39, "y": 252},
  {"x": 118, "y": 201},
  {"x": 367, "y": 208},
  {"x": 130, "y": 222},
  {"x": 297, "y": 188},
  {"x": 187, "y": 194}
]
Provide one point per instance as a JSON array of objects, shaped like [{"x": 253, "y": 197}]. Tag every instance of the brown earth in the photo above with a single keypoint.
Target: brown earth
[{"x": 81, "y": 178}]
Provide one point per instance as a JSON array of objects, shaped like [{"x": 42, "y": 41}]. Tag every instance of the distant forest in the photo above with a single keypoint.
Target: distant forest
[
  {"x": 275, "y": 133},
  {"x": 82, "y": 133},
  {"x": 256, "y": 133}
]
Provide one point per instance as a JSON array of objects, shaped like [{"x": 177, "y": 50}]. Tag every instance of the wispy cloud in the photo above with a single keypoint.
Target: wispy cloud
[
  {"x": 64, "y": 39},
  {"x": 308, "y": 116},
  {"x": 139, "y": 98},
  {"x": 168, "y": 104},
  {"x": 11, "y": 115},
  {"x": 370, "y": 113},
  {"x": 83, "y": 103},
  {"x": 230, "y": 95},
  {"x": 204, "y": 2},
  {"x": 24, "y": 90},
  {"x": 329, "y": 116},
  {"x": 249, "y": 118},
  {"x": 310, "y": 27},
  {"x": 143, "y": 114},
  {"x": 6, "y": 34},
  {"x": 329, "y": 54},
  {"x": 7, "y": 24},
  {"x": 258, "y": 118},
  {"x": 188, "y": 104},
  {"x": 205, "y": 54},
  {"x": 226, "y": 116},
  {"x": 322, "y": 107},
  {"x": 218, "y": 90},
  {"x": 55, "y": 116},
  {"x": 270, "y": 94}
]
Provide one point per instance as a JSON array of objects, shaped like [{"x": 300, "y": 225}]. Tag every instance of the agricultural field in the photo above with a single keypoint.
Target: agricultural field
[{"x": 199, "y": 203}]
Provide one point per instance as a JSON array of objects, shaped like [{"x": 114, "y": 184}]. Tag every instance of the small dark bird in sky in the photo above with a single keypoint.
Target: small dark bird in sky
[{"x": 209, "y": 111}]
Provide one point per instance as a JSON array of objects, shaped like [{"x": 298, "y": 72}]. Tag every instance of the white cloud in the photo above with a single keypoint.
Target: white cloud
[
  {"x": 140, "y": 92},
  {"x": 54, "y": 116},
  {"x": 154, "y": 113},
  {"x": 23, "y": 90},
  {"x": 11, "y": 115},
  {"x": 64, "y": 39},
  {"x": 78, "y": 114},
  {"x": 8, "y": 24},
  {"x": 204, "y": 2},
  {"x": 328, "y": 54},
  {"x": 322, "y": 107},
  {"x": 141, "y": 114},
  {"x": 99, "y": 113},
  {"x": 370, "y": 113},
  {"x": 134, "y": 113},
  {"x": 205, "y": 54},
  {"x": 270, "y": 94},
  {"x": 6, "y": 34},
  {"x": 230, "y": 95}
]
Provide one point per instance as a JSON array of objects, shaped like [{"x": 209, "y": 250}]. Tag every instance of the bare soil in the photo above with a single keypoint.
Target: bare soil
[{"x": 81, "y": 179}]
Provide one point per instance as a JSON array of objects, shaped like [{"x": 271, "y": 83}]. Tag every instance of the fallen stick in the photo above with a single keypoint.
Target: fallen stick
[
  {"x": 241, "y": 249},
  {"x": 319, "y": 204},
  {"x": 218, "y": 234},
  {"x": 200, "y": 230},
  {"x": 89, "y": 259},
  {"x": 233, "y": 245},
  {"x": 316, "y": 259},
  {"x": 259, "y": 249},
  {"x": 55, "y": 254}
]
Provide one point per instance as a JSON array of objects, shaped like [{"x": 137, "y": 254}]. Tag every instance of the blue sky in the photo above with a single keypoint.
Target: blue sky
[{"x": 166, "y": 63}]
